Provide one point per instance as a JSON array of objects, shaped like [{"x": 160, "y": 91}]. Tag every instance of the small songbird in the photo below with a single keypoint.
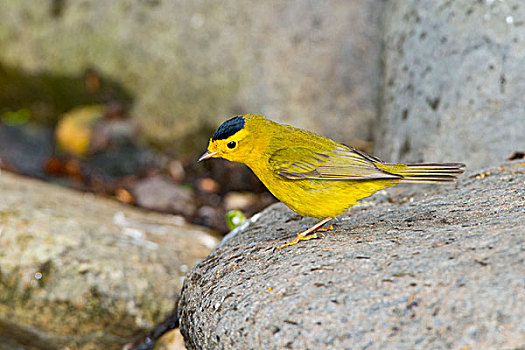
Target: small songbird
[{"x": 313, "y": 175}]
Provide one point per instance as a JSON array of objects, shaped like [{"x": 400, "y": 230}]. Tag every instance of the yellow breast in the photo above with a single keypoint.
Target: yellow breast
[{"x": 318, "y": 198}]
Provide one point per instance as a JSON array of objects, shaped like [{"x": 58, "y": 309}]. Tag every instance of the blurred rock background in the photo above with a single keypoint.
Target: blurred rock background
[
  {"x": 189, "y": 65},
  {"x": 453, "y": 81},
  {"x": 120, "y": 97},
  {"x": 84, "y": 272}
]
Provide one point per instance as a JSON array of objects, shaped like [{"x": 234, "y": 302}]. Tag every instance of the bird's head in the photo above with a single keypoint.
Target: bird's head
[{"x": 235, "y": 139}]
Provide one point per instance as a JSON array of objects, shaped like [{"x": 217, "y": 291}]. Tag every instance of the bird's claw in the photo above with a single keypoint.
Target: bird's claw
[
  {"x": 327, "y": 228},
  {"x": 297, "y": 239}
]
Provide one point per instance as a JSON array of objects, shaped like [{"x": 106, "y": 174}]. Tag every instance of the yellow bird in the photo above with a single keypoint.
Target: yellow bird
[{"x": 313, "y": 175}]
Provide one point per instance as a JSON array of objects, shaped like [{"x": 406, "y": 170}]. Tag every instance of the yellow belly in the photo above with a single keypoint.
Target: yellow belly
[{"x": 320, "y": 198}]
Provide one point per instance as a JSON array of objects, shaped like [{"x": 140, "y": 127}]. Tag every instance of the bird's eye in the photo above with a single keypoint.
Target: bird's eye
[{"x": 231, "y": 145}]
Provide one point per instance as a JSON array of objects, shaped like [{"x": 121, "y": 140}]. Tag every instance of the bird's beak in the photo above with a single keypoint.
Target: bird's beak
[{"x": 207, "y": 155}]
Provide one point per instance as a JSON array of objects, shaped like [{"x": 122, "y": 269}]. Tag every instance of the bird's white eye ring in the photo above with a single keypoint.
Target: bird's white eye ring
[{"x": 231, "y": 144}]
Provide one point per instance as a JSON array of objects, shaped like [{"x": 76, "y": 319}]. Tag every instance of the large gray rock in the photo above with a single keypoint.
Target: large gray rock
[
  {"x": 191, "y": 64},
  {"x": 454, "y": 81},
  {"x": 435, "y": 268},
  {"x": 86, "y": 272}
]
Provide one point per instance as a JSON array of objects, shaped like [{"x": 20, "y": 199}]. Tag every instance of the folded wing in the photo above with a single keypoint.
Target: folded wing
[{"x": 340, "y": 163}]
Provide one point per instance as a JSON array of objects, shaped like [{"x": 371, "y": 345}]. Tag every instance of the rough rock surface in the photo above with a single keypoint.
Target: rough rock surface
[
  {"x": 190, "y": 64},
  {"x": 438, "y": 267},
  {"x": 86, "y": 272},
  {"x": 454, "y": 81}
]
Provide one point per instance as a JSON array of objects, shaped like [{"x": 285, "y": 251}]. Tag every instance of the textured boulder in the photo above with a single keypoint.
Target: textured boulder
[
  {"x": 190, "y": 64},
  {"x": 86, "y": 272},
  {"x": 454, "y": 81},
  {"x": 433, "y": 267}
]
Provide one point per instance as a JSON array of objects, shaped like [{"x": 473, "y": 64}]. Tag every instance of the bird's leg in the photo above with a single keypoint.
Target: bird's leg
[{"x": 309, "y": 233}]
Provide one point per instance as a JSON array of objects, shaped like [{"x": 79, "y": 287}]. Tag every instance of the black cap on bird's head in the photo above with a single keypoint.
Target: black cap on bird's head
[
  {"x": 228, "y": 128},
  {"x": 235, "y": 138}
]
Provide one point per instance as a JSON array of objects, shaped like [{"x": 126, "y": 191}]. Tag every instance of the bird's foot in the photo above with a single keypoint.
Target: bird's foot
[
  {"x": 309, "y": 233},
  {"x": 297, "y": 239},
  {"x": 326, "y": 228}
]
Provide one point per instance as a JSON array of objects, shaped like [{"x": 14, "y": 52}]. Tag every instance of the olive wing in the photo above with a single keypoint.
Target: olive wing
[{"x": 340, "y": 163}]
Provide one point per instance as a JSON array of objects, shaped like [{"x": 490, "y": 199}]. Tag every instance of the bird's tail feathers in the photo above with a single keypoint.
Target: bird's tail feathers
[{"x": 428, "y": 172}]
